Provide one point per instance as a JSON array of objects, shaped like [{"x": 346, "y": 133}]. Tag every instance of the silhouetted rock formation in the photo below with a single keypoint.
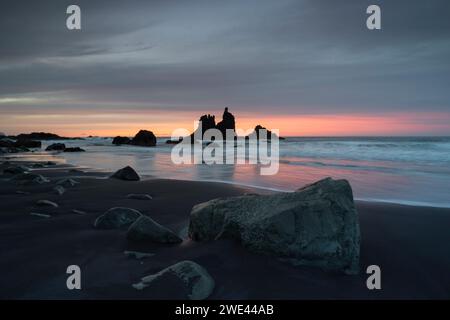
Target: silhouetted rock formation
[
  {"x": 227, "y": 123},
  {"x": 144, "y": 138},
  {"x": 209, "y": 122},
  {"x": 56, "y": 147},
  {"x": 259, "y": 134},
  {"x": 121, "y": 140}
]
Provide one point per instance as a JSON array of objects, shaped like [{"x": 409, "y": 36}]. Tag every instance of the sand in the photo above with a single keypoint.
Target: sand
[{"x": 410, "y": 244}]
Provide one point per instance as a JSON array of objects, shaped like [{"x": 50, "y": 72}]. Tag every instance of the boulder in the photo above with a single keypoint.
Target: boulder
[
  {"x": 116, "y": 218},
  {"x": 260, "y": 133},
  {"x": 127, "y": 174},
  {"x": 144, "y": 138},
  {"x": 146, "y": 229},
  {"x": 121, "y": 140},
  {"x": 314, "y": 226},
  {"x": 56, "y": 147},
  {"x": 187, "y": 279},
  {"x": 137, "y": 196},
  {"x": 74, "y": 149}
]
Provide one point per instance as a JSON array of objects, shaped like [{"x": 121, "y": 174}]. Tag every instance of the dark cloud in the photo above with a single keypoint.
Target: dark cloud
[{"x": 292, "y": 56}]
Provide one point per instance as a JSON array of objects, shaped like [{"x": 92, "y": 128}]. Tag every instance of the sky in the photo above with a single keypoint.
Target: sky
[{"x": 305, "y": 67}]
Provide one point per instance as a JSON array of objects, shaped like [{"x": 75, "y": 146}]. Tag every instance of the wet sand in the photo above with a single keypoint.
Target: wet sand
[{"x": 410, "y": 244}]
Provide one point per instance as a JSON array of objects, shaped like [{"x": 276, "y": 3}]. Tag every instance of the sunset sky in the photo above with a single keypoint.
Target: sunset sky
[{"x": 305, "y": 67}]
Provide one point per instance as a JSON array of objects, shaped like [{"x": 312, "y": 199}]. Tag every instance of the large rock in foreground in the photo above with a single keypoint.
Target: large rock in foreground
[
  {"x": 144, "y": 138},
  {"x": 116, "y": 218},
  {"x": 146, "y": 229},
  {"x": 314, "y": 226},
  {"x": 127, "y": 174},
  {"x": 187, "y": 279}
]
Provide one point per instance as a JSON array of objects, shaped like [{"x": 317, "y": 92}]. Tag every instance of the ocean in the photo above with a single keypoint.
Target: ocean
[{"x": 403, "y": 170}]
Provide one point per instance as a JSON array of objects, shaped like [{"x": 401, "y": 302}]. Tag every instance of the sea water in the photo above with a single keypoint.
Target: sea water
[{"x": 405, "y": 170}]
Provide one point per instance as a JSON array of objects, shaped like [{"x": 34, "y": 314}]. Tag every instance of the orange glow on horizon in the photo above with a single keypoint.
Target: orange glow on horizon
[{"x": 163, "y": 124}]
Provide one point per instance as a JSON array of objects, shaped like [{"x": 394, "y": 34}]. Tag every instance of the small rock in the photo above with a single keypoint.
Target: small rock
[
  {"x": 59, "y": 190},
  {"x": 146, "y": 228},
  {"x": 127, "y": 174},
  {"x": 51, "y": 163},
  {"x": 78, "y": 211},
  {"x": 194, "y": 280},
  {"x": 56, "y": 147},
  {"x": 42, "y": 215},
  {"x": 138, "y": 255},
  {"x": 136, "y": 196},
  {"x": 38, "y": 165},
  {"x": 116, "y": 218},
  {"x": 46, "y": 203},
  {"x": 121, "y": 140}
]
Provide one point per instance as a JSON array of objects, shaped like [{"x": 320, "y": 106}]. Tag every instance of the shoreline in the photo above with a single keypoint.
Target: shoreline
[{"x": 262, "y": 189}]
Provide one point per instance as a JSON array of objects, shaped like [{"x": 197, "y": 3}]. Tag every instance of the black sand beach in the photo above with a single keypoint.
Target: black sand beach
[{"x": 410, "y": 244}]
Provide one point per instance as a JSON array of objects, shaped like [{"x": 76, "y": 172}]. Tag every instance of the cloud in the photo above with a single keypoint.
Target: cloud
[{"x": 292, "y": 56}]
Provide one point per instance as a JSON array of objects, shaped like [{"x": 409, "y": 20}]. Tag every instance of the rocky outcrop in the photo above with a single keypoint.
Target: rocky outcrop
[
  {"x": 116, "y": 218},
  {"x": 121, "y": 140},
  {"x": 144, "y": 138},
  {"x": 314, "y": 226},
  {"x": 186, "y": 278},
  {"x": 146, "y": 229},
  {"x": 39, "y": 136},
  {"x": 26, "y": 143},
  {"x": 74, "y": 149},
  {"x": 127, "y": 174},
  {"x": 56, "y": 147}
]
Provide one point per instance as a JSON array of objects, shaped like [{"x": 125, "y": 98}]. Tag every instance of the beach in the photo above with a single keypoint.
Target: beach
[{"x": 409, "y": 243}]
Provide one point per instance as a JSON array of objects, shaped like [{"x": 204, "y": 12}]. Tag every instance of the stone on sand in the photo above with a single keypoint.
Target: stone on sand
[
  {"x": 137, "y": 196},
  {"x": 59, "y": 190},
  {"x": 127, "y": 174},
  {"x": 46, "y": 203},
  {"x": 116, "y": 218},
  {"x": 146, "y": 229},
  {"x": 314, "y": 226},
  {"x": 193, "y": 278}
]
